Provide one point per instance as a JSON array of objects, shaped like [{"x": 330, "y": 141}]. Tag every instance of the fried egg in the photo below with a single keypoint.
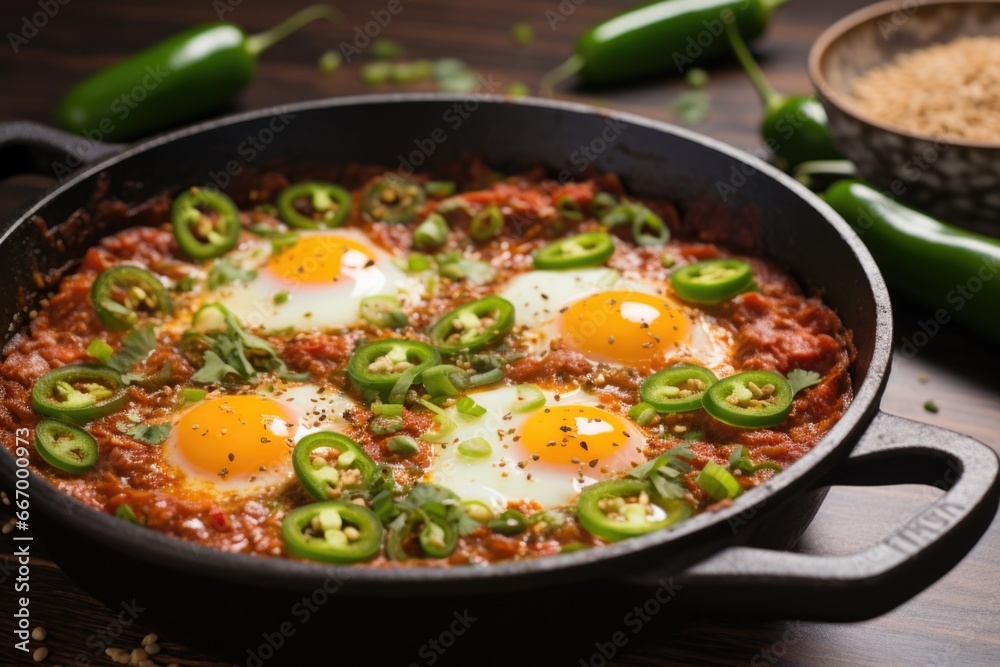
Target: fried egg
[
  {"x": 546, "y": 455},
  {"x": 318, "y": 282},
  {"x": 611, "y": 319},
  {"x": 243, "y": 442}
]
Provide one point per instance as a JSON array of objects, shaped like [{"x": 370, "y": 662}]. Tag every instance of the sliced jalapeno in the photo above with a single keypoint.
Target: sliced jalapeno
[
  {"x": 678, "y": 388},
  {"x": 393, "y": 199},
  {"x": 712, "y": 281},
  {"x": 510, "y": 522},
  {"x": 589, "y": 249},
  {"x": 79, "y": 393},
  {"x": 314, "y": 205},
  {"x": 486, "y": 224},
  {"x": 751, "y": 399},
  {"x": 330, "y": 465},
  {"x": 718, "y": 482},
  {"x": 64, "y": 446},
  {"x": 119, "y": 293},
  {"x": 380, "y": 365},
  {"x": 333, "y": 531},
  {"x": 206, "y": 223},
  {"x": 616, "y": 509},
  {"x": 438, "y": 538},
  {"x": 473, "y": 326}
]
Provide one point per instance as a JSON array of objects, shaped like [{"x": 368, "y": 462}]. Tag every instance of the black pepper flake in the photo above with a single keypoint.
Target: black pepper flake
[
  {"x": 565, "y": 429},
  {"x": 583, "y": 443},
  {"x": 564, "y": 309},
  {"x": 522, "y": 464},
  {"x": 574, "y": 461},
  {"x": 231, "y": 457},
  {"x": 593, "y": 464},
  {"x": 262, "y": 468},
  {"x": 253, "y": 478},
  {"x": 611, "y": 340},
  {"x": 370, "y": 263},
  {"x": 545, "y": 296},
  {"x": 535, "y": 457},
  {"x": 550, "y": 443},
  {"x": 644, "y": 325},
  {"x": 223, "y": 472}
]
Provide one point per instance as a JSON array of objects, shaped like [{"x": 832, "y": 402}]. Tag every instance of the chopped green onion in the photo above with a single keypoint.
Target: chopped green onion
[
  {"x": 417, "y": 262},
  {"x": 384, "y": 49},
  {"x": 529, "y": 398},
  {"x": 667, "y": 260},
  {"x": 475, "y": 448},
  {"x": 642, "y": 413},
  {"x": 193, "y": 394},
  {"x": 467, "y": 406},
  {"x": 601, "y": 204},
  {"x": 387, "y": 409},
  {"x": 384, "y": 425},
  {"x": 569, "y": 209},
  {"x": 518, "y": 89},
  {"x": 510, "y": 522},
  {"x": 697, "y": 78},
  {"x": 431, "y": 233},
  {"x": 446, "y": 425},
  {"x": 127, "y": 514},
  {"x": 932, "y": 407},
  {"x": 403, "y": 445},
  {"x": 522, "y": 33},
  {"x": 100, "y": 350},
  {"x": 281, "y": 297},
  {"x": 383, "y": 310},
  {"x": 330, "y": 61},
  {"x": 718, "y": 482},
  {"x": 486, "y": 224},
  {"x": 487, "y": 377},
  {"x": 440, "y": 188},
  {"x": 403, "y": 383},
  {"x": 445, "y": 380},
  {"x": 281, "y": 242},
  {"x": 478, "y": 511}
]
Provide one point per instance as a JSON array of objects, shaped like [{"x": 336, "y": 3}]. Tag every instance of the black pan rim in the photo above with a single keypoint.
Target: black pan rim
[{"x": 280, "y": 572}]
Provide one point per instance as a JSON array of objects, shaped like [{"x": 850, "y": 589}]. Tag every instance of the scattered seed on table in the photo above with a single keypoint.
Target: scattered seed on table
[
  {"x": 40, "y": 654},
  {"x": 39, "y": 634}
]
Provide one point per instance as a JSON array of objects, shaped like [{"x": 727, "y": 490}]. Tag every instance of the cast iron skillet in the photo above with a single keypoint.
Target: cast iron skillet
[{"x": 716, "y": 557}]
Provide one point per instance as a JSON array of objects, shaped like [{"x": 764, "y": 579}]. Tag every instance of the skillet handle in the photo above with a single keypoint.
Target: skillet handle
[
  {"x": 863, "y": 585},
  {"x": 32, "y": 148}
]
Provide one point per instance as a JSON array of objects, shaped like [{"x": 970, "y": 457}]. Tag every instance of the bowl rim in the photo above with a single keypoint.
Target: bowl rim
[{"x": 854, "y": 20}]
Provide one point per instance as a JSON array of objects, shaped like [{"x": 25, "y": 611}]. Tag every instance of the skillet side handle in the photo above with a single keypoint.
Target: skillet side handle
[
  {"x": 870, "y": 583},
  {"x": 32, "y": 148}
]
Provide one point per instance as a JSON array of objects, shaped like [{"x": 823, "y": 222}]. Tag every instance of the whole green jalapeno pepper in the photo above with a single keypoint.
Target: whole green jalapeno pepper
[
  {"x": 176, "y": 80},
  {"x": 659, "y": 37},
  {"x": 931, "y": 262}
]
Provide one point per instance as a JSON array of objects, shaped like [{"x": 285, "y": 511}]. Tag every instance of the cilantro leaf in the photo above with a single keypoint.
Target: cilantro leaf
[
  {"x": 423, "y": 494},
  {"x": 150, "y": 434},
  {"x": 664, "y": 472},
  {"x": 225, "y": 271},
  {"x": 136, "y": 346},
  {"x": 464, "y": 523},
  {"x": 214, "y": 370},
  {"x": 800, "y": 379}
]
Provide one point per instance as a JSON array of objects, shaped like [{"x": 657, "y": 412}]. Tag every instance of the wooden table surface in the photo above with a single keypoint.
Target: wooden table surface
[{"x": 953, "y": 622}]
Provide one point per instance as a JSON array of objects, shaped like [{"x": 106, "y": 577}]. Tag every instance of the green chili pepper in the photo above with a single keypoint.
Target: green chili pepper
[
  {"x": 795, "y": 127},
  {"x": 677, "y": 389},
  {"x": 121, "y": 291},
  {"x": 381, "y": 364},
  {"x": 321, "y": 460},
  {"x": 660, "y": 37},
  {"x": 393, "y": 198},
  {"x": 438, "y": 538},
  {"x": 64, "y": 446},
  {"x": 440, "y": 188},
  {"x": 486, "y": 224},
  {"x": 314, "y": 205},
  {"x": 946, "y": 268},
  {"x": 431, "y": 233},
  {"x": 587, "y": 249},
  {"x": 510, "y": 522},
  {"x": 333, "y": 531},
  {"x": 79, "y": 393},
  {"x": 383, "y": 310},
  {"x": 647, "y": 228},
  {"x": 178, "y": 79},
  {"x": 712, "y": 281},
  {"x": 619, "y": 508},
  {"x": 751, "y": 399},
  {"x": 718, "y": 482},
  {"x": 206, "y": 223},
  {"x": 473, "y": 326}
]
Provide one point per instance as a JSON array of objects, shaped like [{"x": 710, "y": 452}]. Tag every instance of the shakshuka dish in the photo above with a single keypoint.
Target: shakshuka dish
[{"x": 413, "y": 371}]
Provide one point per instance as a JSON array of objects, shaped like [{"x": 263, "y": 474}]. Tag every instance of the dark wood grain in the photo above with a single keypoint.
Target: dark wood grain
[{"x": 953, "y": 622}]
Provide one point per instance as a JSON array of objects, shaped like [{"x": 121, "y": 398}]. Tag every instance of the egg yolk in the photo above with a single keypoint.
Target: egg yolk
[
  {"x": 235, "y": 438},
  {"x": 575, "y": 435},
  {"x": 326, "y": 258},
  {"x": 623, "y": 327}
]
